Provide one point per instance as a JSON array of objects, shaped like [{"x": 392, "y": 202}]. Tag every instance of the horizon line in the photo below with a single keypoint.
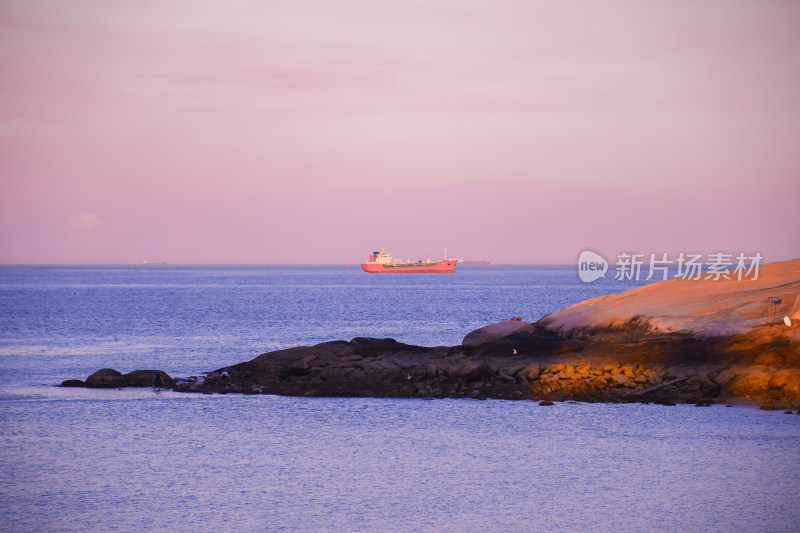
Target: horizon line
[{"x": 347, "y": 265}]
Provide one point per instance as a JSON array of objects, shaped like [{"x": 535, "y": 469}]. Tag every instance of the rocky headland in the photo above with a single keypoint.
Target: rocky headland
[{"x": 698, "y": 341}]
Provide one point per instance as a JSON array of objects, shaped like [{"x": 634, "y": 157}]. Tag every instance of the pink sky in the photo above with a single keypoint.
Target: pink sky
[{"x": 312, "y": 132}]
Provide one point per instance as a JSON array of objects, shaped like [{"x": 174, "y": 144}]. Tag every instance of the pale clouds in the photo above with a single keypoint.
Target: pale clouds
[{"x": 84, "y": 221}]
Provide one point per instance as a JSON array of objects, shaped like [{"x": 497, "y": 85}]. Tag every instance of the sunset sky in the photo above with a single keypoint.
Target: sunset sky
[{"x": 314, "y": 131}]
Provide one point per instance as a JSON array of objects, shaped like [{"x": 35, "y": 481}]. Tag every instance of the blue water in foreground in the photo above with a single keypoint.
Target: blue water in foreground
[{"x": 131, "y": 460}]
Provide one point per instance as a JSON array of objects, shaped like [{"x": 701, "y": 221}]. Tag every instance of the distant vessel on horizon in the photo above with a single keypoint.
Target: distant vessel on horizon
[
  {"x": 146, "y": 262},
  {"x": 380, "y": 262}
]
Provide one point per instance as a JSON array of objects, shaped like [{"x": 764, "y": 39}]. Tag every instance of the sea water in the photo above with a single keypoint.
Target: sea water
[{"x": 133, "y": 459}]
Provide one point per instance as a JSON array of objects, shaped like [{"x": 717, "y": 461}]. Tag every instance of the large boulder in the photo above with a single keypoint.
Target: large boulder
[
  {"x": 144, "y": 378},
  {"x": 787, "y": 381},
  {"x": 751, "y": 384},
  {"x": 705, "y": 308},
  {"x": 496, "y": 331},
  {"x": 106, "y": 378}
]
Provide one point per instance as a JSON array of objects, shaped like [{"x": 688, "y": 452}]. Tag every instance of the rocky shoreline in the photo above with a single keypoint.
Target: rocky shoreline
[{"x": 672, "y": 341}]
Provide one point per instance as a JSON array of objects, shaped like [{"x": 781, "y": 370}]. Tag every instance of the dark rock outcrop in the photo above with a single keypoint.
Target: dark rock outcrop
[
  {"x": 144, "y": 378},
  {"x": 369, "y": 367},
  {"x": 106, "y": 378},
  {"x": 496, "y": 331}
]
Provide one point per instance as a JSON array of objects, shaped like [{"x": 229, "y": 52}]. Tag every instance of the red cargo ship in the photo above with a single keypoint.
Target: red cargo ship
[{"x": 383, "y": 262}]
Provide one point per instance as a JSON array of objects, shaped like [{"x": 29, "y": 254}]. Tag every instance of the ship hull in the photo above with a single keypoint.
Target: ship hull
[{"x": 442, "y": 267}]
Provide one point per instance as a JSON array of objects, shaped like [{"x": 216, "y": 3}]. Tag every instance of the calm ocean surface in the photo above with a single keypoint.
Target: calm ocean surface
[{"x": 132, "y": 460}]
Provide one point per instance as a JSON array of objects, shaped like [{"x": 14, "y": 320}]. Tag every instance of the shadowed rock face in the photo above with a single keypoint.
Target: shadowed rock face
[
  {"x": 496, "y": 331},
  {"x": 543, "y": 367},
  {"x": 368, "y": 367},
  {"x": 108, "y": 378},
  {"x": 144, "y": 378}
]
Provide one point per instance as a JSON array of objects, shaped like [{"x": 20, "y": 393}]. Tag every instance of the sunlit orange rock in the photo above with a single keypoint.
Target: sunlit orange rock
[{"x": 701, "y": 307}]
